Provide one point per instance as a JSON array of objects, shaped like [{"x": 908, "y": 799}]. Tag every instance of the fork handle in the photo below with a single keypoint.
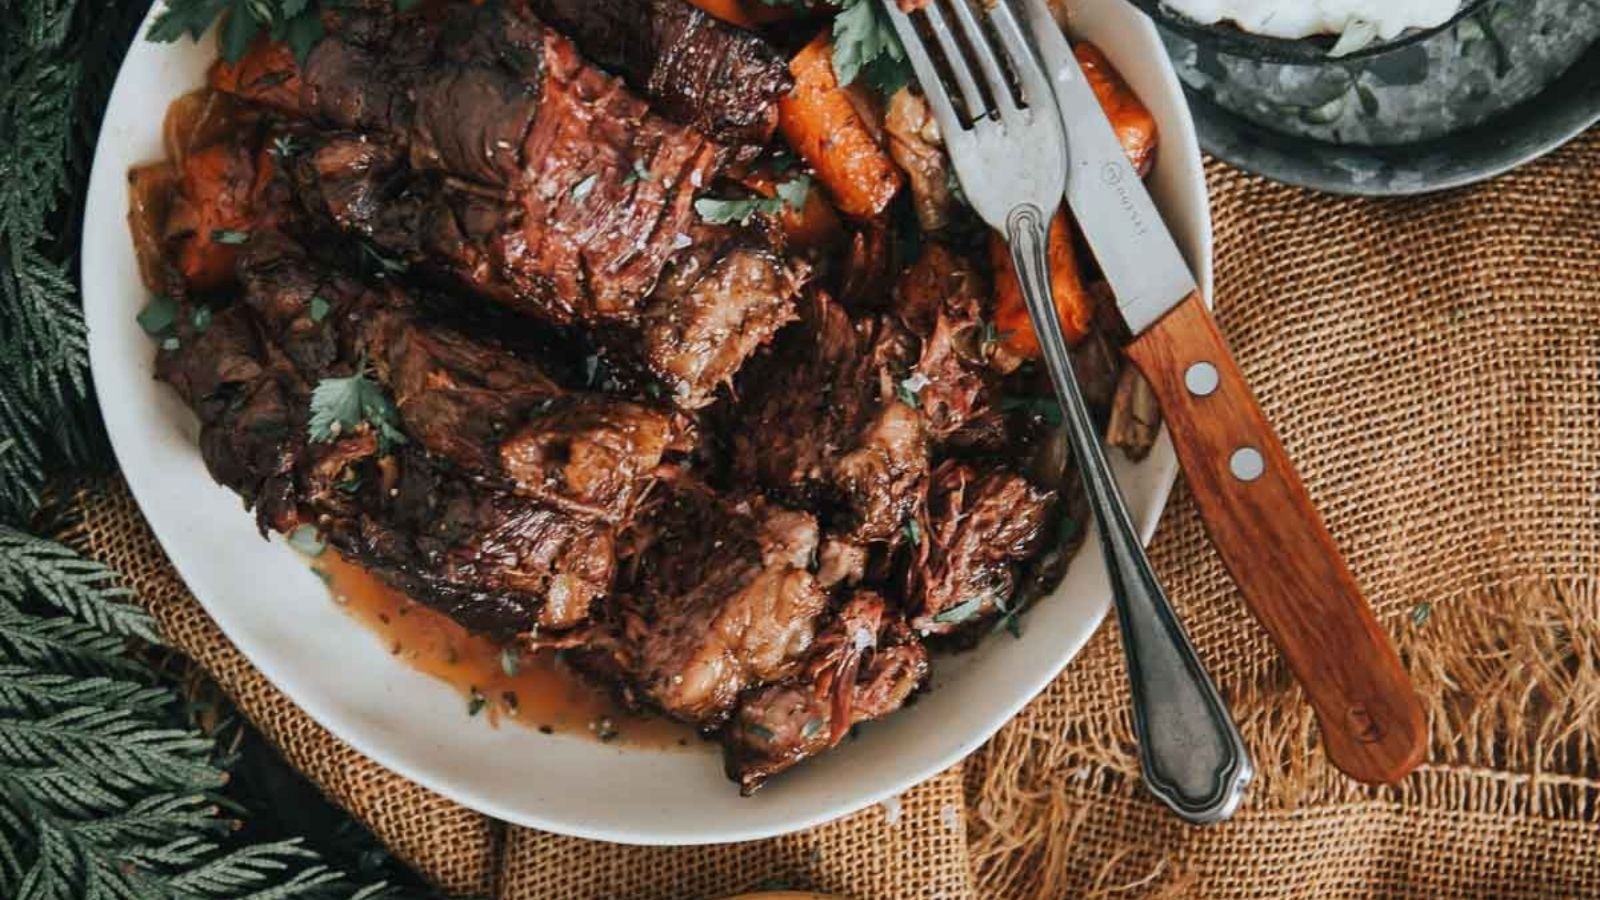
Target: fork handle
[
  {"x": 1273, "y": 543},
  {"x": 1190, "y": 753}
]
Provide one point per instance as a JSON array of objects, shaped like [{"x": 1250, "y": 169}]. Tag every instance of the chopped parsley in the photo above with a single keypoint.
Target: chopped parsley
[
  {"x": 721, "y": 211},
  {"x": 229, "y": 237},
  {"x": 760, "y": 731},
  {"x": 1008, "y": 618},
  {"x": 159, "y": 315},
  {"x": 909, "y": 390},
  {"x": 319, "y": 308},
  {"x": 510, "y": 661},
  {"x": 585, "y": 187},
  {"x": 475, "y": 701},
  {"x": 812, "y": 728},
  {"x": 1421, "y": 613},
  {"x": 284, "y": 146},
  {"x": 201, "y": 318},
  {"x": 640, "y": 172},
  {"x": 170, "y": 343},
  {"x": 961, "y": 612},
  {"x": 865, "y": 46},
  {"x": 341, "y": 405},
  {"x": 913, "y": 532},
  {"x": 304, "y": 538}
]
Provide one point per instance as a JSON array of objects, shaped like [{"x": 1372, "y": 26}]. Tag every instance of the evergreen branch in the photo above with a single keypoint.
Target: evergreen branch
[
  {"x": 28, "y": 691},
  {"x": 129, "y": 750},
  {"x": 81, "y": 587},
  {"x": 62, "y": 645}
]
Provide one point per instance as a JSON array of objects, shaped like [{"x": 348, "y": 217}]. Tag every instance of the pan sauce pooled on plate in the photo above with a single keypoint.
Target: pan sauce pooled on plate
[{"x": 675, "y": 374}]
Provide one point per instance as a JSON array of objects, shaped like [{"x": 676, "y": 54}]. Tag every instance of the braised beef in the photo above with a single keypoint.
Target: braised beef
[
  {"x": 715, "y": 597},
  {"x": 982, "y": 523},
  {"x": 696, "y": 69},
  {"x": 864, "y": 665},
  {"x": 823, "y": 418}
]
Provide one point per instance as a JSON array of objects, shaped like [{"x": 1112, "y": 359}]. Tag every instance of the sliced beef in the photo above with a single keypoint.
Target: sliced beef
[
  {"x": 695, "y": 69},
  {"x": 863, "y": 666},
  {"x": 818, "y": 420},
  {"x": 982, "y": 524},
  {"x": 939, "y": 300},
  {"x": 716, "y": 598}
]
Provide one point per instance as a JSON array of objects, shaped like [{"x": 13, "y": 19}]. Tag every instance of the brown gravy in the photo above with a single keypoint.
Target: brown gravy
[{"x": 538, "y": 691}]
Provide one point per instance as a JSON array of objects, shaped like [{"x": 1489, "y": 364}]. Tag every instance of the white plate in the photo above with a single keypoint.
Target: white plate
[{"x": 278, "y": 613}]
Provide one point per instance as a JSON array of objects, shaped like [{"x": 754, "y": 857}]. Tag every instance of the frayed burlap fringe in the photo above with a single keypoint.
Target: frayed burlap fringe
[{"x": 1434, "y": 367}]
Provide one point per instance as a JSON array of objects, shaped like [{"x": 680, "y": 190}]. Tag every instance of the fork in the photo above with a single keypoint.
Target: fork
[{"x": 1011, "y": 156}]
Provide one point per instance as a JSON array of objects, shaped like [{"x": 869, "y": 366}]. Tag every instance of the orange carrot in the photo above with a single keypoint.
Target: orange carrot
[
  {"x": 217, "y": 184},
  {"x": 1135, "y": 126},
  {"x": 1074, "y": 304},
  {"x": 824, "y": 128},
  {"x": 266, "y": 74}
]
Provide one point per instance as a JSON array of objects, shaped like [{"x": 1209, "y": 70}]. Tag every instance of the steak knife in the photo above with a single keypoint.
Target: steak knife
[{"x": 1255, "y": 508}]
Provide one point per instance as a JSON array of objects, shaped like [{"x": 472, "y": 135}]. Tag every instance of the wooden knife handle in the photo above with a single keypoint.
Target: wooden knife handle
[{"x": 1274, "y": 544}]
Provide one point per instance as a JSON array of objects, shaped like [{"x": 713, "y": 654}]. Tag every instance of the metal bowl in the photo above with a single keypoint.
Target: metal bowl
[{"x": 1227, "y": 39}]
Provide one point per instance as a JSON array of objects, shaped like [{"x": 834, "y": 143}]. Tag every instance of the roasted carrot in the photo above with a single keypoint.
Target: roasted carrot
[
  {"x": 151, "y": 189},
  {"x": 731, "y": 11},
  {"x": 266, "y": 74},
  {"x": 1135, "y": 126},
  {"x": 1074, "y": 304},
  {"x": 824, "y": 128},
  {"x": 216, "y": 185},
  {"x": 815, "y": 226}
]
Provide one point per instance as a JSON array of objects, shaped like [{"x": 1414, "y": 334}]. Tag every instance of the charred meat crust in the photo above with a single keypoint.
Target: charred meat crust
[{"x": 698, "y": 71}]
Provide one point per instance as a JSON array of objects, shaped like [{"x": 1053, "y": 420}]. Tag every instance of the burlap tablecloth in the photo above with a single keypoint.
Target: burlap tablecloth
[{"x": 1434, "y": 366}]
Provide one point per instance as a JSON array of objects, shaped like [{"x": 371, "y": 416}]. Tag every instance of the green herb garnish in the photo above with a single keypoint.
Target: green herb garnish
[
  {"x": 305, "y": 539},
  {"x": 201, "y": 318},
  {"x": 961, "y": 612},
  {"x": 475, "y": 701},
  {"x": 760, "y": 731},
  {"x": 229, "y": 237},
  {"x": 510, "y": 661},
  {"x": 812, "y": 728},
  {"x": 1421, "y": 613},
  {"x": 159, "y": 315},
  {"x": 319, "y": 308},
  {"x": 913, "y": 532},
  {"x": 1008, "y": 619},
  {"x": 720, "y": 211},
  {"x": 585, "y": 187},
  {"x": 340, "y": 405}
]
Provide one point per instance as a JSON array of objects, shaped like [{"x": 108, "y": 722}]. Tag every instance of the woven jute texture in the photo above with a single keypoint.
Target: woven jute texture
[{"x": 1434, "y": 367}]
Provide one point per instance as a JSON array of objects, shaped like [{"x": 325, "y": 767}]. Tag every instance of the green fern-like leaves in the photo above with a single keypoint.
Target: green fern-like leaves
[{"x": 102, "y": 795}]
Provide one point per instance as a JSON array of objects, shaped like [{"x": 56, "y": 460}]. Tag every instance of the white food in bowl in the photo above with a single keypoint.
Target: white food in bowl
[
  {"x": 276, "y": 611},
  {"x": 1385, "y": 19}
]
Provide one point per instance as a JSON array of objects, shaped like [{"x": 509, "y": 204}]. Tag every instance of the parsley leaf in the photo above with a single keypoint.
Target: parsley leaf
[
  {"x": 304, "y": 538},
  {"x": 863, "y": 36},
  {"x": 475, "y": 701},
  {"x": 319, "y": 308},
  {"x": 201, "y": 318},
  {"x": 913, "y": 532},
  {"x": 340, "y": 405},
  {"x": 812, "y": 728},
  {"x": 718, "y": 211},
  {"x": 1008, "y": 619},
  {"x": 795, "y": 191},
  {"x": 584, "y": 188},
  {"x": 159, "y": 315},
  {"x": 231, "y": 238},
  {"x": 961, "y": 612}
]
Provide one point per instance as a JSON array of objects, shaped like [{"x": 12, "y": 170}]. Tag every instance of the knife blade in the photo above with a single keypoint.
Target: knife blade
[
  {"x": 1141, "y": 262},
  {"x": 1261, "y": 520}
]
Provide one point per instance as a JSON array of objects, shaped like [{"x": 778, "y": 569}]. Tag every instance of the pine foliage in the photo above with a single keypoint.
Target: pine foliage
[{"x": 102, "y": 795}]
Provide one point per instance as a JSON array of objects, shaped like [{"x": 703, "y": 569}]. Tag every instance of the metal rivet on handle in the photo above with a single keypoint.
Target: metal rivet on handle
[
  {"x": 1246, "y": 464},
  {"x": 1201, "y": 379}
]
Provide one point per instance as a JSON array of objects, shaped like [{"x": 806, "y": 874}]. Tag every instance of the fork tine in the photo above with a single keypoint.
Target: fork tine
[
  {"x": 1029, "y": 71},
  {"x": 927, "y": 73},
  {"x": 993, "y": 74},
  {"x": 957, "y": 62}
]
